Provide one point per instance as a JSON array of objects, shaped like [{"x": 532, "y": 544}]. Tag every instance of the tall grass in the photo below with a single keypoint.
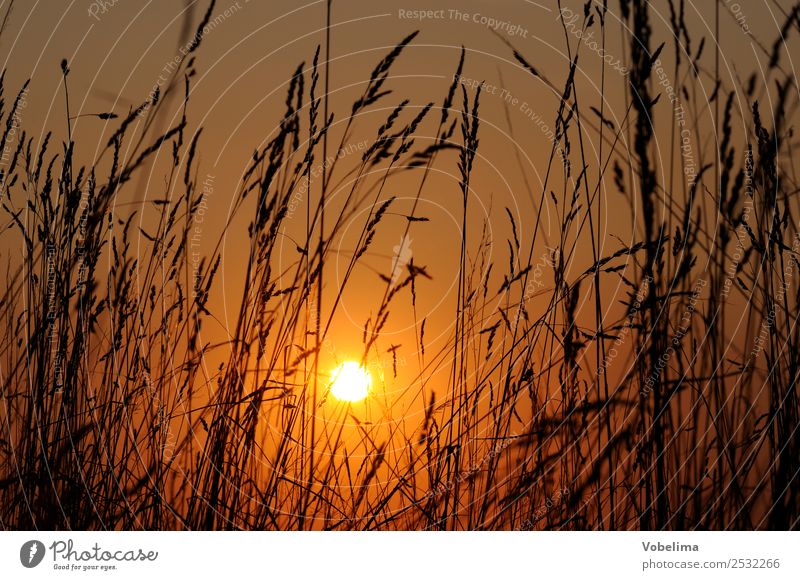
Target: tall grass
[{"x": 542, "y": 409}]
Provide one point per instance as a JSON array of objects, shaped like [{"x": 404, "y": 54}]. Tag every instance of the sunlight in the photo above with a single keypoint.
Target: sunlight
[{"x": 350, "y": 382}]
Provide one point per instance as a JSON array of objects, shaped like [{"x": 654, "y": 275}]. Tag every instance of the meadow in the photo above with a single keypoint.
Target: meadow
[{"x": 589, "y": 378}]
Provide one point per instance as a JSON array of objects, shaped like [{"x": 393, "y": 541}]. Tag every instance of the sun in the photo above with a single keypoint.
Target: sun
[{"x": 350, "y": 382}]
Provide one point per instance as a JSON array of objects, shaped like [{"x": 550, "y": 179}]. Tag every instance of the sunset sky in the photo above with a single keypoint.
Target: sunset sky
[
  {"x": 120, "y": 51},
  {"x": 535, "y": 228}
]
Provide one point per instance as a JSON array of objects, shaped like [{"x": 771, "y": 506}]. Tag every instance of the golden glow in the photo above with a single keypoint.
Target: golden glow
[{"x": 350, "y": 382}]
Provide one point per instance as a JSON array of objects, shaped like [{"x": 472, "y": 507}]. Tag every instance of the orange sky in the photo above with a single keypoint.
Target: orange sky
[{"x": 120, "y": 50}]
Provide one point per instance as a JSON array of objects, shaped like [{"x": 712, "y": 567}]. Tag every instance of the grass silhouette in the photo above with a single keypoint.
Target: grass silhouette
[{"x": 669, "y": 417}]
